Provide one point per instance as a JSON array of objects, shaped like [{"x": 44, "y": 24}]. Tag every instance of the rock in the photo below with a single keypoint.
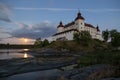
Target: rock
[
  {"x": 118, "y": 48},
  {"x": 18, "y": 66},
  {"x": 111, "y": 79},
  {"x": 93, "y": 72}
]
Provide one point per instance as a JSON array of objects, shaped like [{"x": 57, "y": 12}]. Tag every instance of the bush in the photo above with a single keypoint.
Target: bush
[
  {"x": 84, "y": 38},
  {"x": 102, "y": 57},
  {"x": 39, "y": 44}
]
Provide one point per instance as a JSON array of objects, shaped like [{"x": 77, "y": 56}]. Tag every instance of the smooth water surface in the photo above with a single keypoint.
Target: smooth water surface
[{"x": 13, "y": 53}]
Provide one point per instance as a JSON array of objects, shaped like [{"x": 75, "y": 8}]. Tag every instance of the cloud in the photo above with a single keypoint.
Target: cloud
[
  {"x": 41, "y": 30},
  {"x": 67, "y": 9},
  {"x": 4, "y": 13},
  {"x": 3, "y": 32},
  {"x": 14, "y": 40},
  {"x": 21, "y": 25},
  {"x": 101, "y": 10},
  {"x": 49, "y": 9}
]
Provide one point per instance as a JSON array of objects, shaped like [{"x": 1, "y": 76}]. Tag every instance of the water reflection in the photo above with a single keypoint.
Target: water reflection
[
  {"x": 25, "y": 55},
  {"x": 14, "y": 53},
  {"x": 26, "y": 49}
]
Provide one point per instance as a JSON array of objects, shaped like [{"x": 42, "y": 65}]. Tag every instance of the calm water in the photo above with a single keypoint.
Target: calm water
[
  {"x": 13, "y": 53},
  {"x": 38, "y": 75}
]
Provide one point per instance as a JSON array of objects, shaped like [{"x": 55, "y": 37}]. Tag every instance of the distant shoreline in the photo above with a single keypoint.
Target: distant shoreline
[{"x": 15, "y": 46}]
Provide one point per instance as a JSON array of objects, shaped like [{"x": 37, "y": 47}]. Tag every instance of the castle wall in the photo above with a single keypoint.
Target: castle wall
[
  {"x": 68, "y": 36},
  {"x": 79, "y": 25}
]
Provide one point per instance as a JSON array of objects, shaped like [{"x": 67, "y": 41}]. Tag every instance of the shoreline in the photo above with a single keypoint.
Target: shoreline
[{"x": 51, "y": 59}]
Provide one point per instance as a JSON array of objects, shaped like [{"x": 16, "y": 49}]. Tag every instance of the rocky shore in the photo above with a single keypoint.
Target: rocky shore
[
  {"x": 48, "y": 59},
  {"x": 17, "y": 66},
  {"x": 94, "y": 72}
]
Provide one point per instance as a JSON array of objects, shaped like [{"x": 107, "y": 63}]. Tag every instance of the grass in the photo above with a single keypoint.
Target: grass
[
  {"x": 109, "y": 57},
  {"x": 75, "y": 47},
  {"x": 97, "y": 52}
]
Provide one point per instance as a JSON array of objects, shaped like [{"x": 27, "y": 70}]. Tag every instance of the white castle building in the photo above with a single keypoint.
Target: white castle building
[{"x": 66, "y": 32}]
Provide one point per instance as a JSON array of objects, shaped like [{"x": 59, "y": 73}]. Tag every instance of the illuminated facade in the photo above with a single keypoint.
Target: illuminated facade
[{"x": 66, "y": 32}]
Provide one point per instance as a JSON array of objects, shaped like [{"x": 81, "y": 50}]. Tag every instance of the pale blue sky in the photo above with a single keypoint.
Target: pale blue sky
[{"x": 39, "y": 18}]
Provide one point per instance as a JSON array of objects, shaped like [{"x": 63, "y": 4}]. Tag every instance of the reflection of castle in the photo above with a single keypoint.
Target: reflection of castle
[{"x": 65, "y": 32}]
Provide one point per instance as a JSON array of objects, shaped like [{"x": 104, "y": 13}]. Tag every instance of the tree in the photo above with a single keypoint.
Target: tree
[
  {"x": 76, "y": 37},
  {"x": 105, "y": 35},
  {"x": 115, "y": 38},
  {"x": 38, "y": 43},
  {"x": 45, "y": 43},
  {"x": 83, "y": 37},
  {"x": 8, "y": 45},
  {"x": 113, "y": 33}
]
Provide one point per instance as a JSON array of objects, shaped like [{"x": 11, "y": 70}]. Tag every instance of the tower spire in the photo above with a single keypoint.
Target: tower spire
[
  {"x": 97, "y": 28},
  {"x": 79, "y": 16},
  {"x": 60, "y": 24}
]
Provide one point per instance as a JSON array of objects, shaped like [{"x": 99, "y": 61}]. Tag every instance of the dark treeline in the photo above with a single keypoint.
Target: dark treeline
[{"x": 14, "y": 46}]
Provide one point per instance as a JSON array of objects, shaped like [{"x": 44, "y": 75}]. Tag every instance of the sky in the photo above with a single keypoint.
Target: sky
[{"x": 32, "y": 19}]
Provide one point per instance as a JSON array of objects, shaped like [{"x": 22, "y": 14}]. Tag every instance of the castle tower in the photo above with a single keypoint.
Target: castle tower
[
  {"x": 98, "y": 28},
  {"x": 60, "y": 27},
  {"x": 79, "y": 22},
  {"x": 98, "y": 36}
]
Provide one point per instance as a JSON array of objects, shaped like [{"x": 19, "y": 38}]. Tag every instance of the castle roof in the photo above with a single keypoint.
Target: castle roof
[
  {"x": 79, "y": 16},
  {"x": 60, "y": 24},
  {"x": 65, "y": 32},
  {"x": 69, "y": 24},
  {"x": 89, "y": 25}
]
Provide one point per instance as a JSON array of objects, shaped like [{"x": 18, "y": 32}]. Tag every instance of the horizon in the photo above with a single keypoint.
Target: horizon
[{"x": 23, "y": 21}]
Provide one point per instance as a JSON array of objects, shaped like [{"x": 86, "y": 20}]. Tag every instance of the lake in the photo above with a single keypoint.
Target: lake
[
  {"x": 14, "y": 53},
  {"x": 37, "y": 75}
]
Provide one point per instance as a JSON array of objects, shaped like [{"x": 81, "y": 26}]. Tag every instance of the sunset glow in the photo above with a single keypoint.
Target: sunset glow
[
  {"x": 25, "y": 40},
  {"x": 25, "y": 55},
  {"x": 23, "y": 21}
]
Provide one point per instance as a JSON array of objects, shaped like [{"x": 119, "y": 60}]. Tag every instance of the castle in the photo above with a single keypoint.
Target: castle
[{"x": 66, "y": 32}]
